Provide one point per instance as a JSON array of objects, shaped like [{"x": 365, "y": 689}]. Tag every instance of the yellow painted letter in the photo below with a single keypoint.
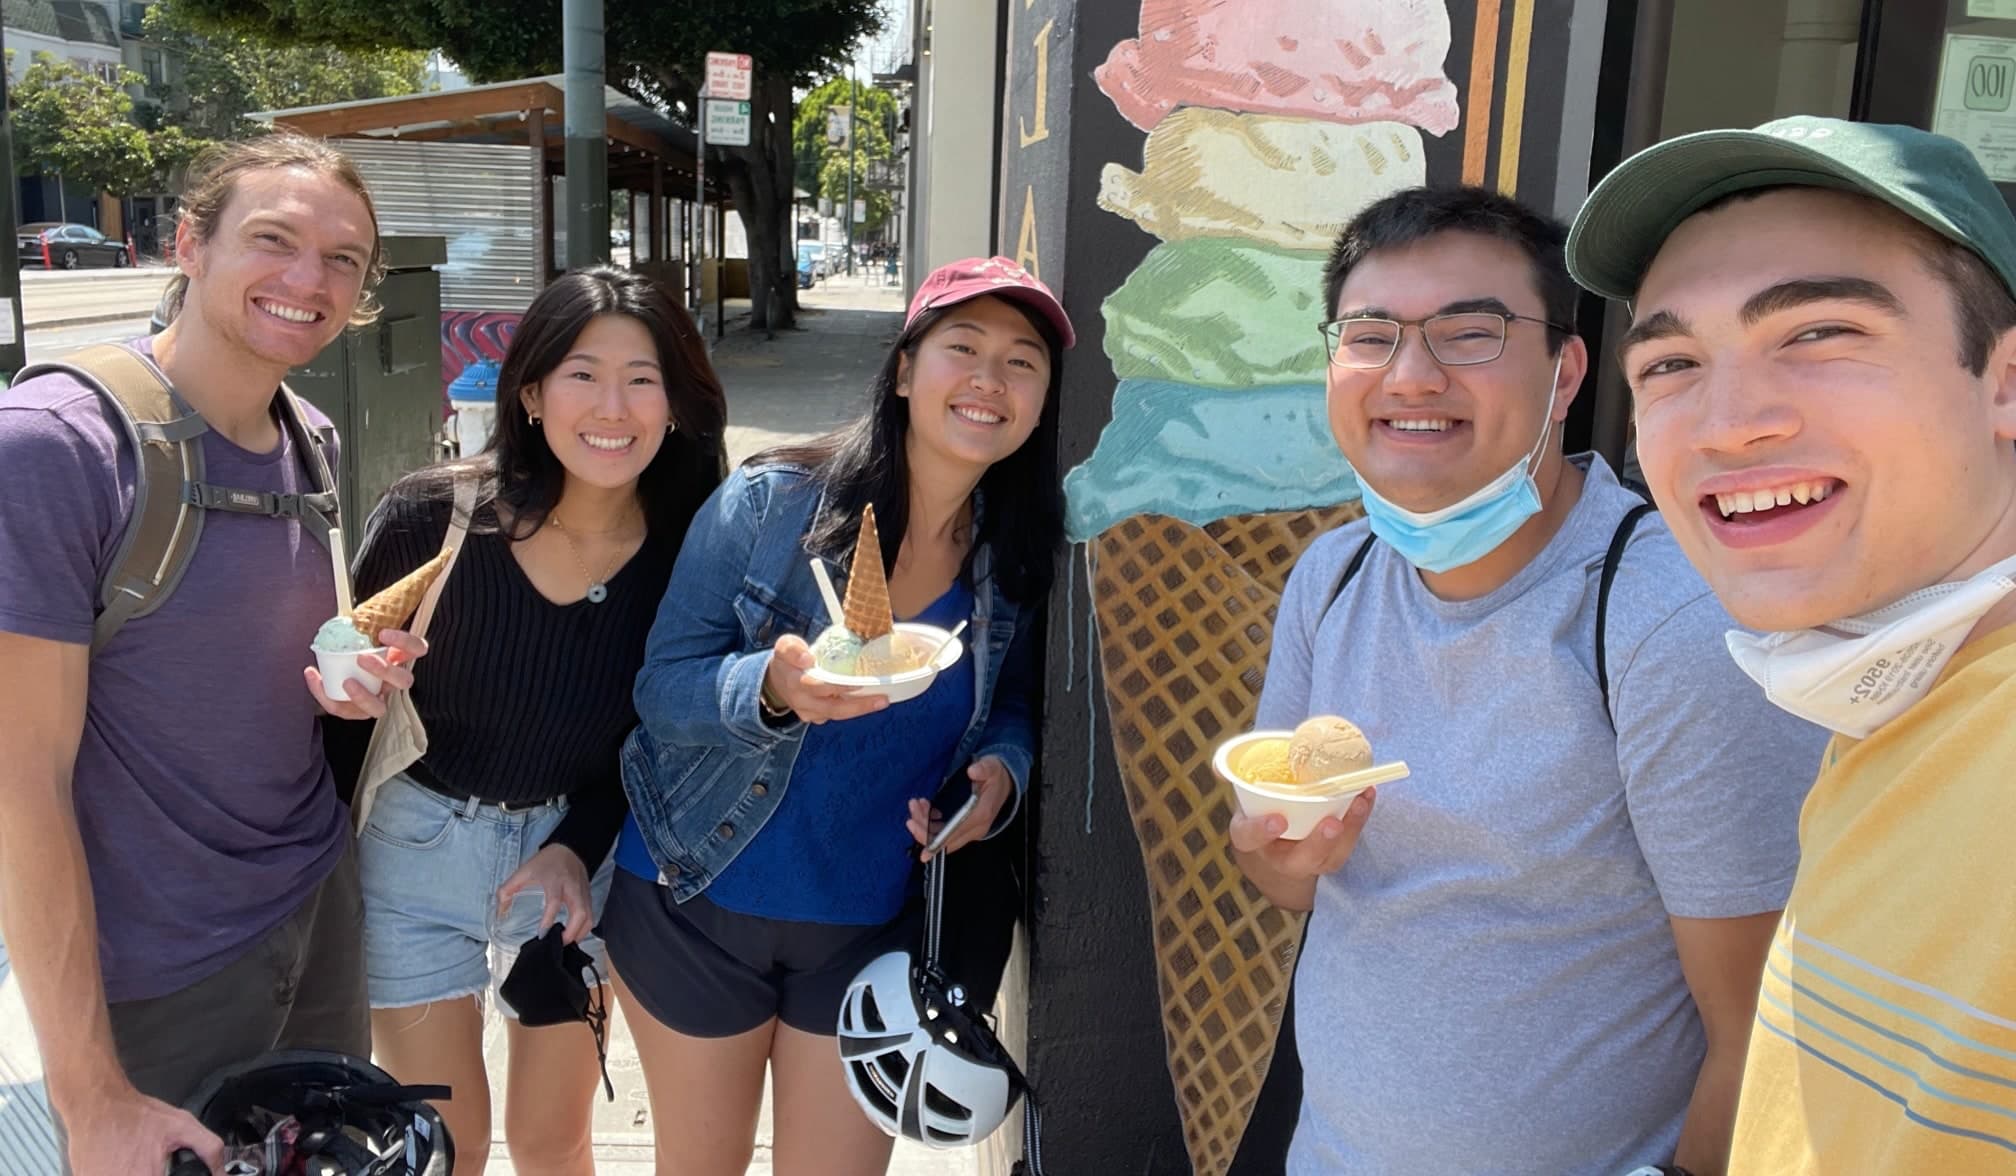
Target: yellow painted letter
[
  {"x": 1042, "y": 130},
  {"x": 1025, "y": 242}
]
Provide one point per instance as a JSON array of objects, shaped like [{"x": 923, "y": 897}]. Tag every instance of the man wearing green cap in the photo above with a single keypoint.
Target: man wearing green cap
[{"x": 1822, "y": 359}]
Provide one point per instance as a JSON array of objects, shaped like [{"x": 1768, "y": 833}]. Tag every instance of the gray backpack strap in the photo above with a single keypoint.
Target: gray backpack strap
[
  {"x": 316, "y": 510},
  {"x": 164, "y": 435}
]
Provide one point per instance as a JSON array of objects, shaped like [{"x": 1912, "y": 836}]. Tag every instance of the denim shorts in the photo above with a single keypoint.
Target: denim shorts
[{"x": 431, "y": 867}]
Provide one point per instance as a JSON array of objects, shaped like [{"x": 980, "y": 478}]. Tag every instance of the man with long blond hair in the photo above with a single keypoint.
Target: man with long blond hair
[{"x": 177, "y": 886}]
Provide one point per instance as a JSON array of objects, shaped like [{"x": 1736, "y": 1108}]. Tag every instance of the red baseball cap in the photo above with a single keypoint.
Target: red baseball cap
[{"x": 972, "y": 277}]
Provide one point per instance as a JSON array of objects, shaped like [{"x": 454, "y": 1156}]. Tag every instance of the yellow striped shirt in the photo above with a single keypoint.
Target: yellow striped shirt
[{"x": 1885, "y": 1039}]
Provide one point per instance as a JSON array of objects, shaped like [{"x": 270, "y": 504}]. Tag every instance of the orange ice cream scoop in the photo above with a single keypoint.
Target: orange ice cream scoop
[
  {"x": 1327, "y": 746},
  {"x": 1266, "y": 762}
]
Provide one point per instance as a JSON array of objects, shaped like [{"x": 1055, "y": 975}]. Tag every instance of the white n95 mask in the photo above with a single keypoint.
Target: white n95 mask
[{"x": 1855, "y": 675}]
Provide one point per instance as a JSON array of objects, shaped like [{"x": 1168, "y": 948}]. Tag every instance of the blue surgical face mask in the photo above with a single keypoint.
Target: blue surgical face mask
[{"x": 1467, "y": 531}]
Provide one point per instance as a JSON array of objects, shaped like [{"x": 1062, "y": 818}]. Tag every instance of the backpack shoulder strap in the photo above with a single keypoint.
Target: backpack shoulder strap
[
  {"x": 315, "y": 510},
  {"x": 1349, "y": 574},
  {"x": 164, "y": 435},
  {"x": 318, "y": 509},
  {"x": 1611, "y": 559}
]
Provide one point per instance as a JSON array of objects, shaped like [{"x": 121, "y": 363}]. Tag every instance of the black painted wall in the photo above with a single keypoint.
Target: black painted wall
[{"x": 1095, "y": 1050}]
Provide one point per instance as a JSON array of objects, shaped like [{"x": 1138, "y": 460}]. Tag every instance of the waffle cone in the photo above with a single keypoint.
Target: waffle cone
[
  {"x": 390, "y": 608},
  {"x": 867, "y": 605},
  {"x": 1186, "y": 615}
]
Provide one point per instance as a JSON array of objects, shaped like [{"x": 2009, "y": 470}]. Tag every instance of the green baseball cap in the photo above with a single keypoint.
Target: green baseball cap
[{"x": 1930, "y": 178}]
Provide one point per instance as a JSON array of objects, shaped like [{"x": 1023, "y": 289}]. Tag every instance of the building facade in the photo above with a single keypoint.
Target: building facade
[
  {"x": 101, "y": 37},
  {"x": 1166, "y": 166}
]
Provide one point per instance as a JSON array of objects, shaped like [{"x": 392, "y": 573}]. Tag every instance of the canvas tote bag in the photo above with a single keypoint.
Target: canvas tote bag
[{"x": 400, "y": 739}]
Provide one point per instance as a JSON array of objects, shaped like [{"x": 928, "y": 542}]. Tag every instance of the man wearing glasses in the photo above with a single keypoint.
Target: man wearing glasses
[{"x": 1541, "y": 953}]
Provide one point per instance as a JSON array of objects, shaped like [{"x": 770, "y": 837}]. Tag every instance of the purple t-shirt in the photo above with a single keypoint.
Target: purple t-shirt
[{"x": 202, "y": 793}]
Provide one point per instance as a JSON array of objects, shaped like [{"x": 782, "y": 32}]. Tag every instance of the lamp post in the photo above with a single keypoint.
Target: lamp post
[
  {"x": 581, "y": 51},
  {"x": 853, "y": 104}
]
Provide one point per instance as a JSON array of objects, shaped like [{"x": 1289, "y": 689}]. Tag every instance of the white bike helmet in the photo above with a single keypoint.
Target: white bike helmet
[
  {"x": 919, "y": 1059},
  {"x": 920, "y": 1063}
]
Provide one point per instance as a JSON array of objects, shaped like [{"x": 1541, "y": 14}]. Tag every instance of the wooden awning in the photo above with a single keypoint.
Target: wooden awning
[{"x": 643, "y": 141}]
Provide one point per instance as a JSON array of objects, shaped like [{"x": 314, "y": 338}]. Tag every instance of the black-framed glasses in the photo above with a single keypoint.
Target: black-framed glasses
[{"x": 1455, "y": 340}]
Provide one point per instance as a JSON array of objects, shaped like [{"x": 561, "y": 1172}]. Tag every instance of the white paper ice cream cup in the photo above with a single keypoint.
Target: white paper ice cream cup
[
  {"x": 338, "y": 668},
  {"x": 1303, "y": 810}
]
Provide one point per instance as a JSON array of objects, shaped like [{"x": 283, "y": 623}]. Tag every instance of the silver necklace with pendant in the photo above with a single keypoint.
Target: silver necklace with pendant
[{"x": 598, "y": 586}]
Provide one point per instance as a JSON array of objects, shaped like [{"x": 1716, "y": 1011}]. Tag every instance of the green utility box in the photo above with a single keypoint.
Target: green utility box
[{"x": 381, "y": 384}]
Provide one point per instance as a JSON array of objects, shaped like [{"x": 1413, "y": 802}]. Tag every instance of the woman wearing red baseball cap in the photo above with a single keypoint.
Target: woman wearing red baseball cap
[{"x": 776, "y": 820}]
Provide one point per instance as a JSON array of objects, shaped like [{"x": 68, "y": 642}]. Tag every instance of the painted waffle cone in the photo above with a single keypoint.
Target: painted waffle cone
[
  {"x": 390, "y": 608},
  {"x": 867, "y": 605},
  {"x": 1186, "y": 616}
]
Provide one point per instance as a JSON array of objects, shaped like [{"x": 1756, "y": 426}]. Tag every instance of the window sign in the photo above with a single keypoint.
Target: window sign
[{"x": 1977, "y": 81}]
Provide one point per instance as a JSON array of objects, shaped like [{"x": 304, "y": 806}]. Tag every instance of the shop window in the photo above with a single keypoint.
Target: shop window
[{"x": 1738, "y": 63}]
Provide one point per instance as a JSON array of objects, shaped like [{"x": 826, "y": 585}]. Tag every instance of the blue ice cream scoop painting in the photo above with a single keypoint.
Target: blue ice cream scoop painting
[
  {"x": 1219, "y": 407},
  {"x": 1200, "y": 454}
]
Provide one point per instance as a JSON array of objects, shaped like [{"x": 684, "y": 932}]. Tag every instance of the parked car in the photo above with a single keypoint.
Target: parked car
[
  {"x": 54, "y": 245},
  {"x": 619, "y": 238},
  {"x": 805, "y": 275}
]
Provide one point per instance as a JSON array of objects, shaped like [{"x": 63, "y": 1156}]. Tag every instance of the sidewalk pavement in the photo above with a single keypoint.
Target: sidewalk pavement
[
  {"x": 807, "y": 381},
  {"x": 800, "y": 384}
]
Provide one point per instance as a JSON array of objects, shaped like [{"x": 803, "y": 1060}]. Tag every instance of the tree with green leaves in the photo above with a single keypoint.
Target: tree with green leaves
[
  {"x": 228, "y": 74},
  {"x": 875, "y": 115},
  {"x": 653, "y": 50},
  {"x": 71, "y": 123}
]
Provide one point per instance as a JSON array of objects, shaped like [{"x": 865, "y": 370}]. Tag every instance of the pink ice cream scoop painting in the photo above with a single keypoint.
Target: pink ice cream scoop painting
[{"x": 1348, "y": 61}]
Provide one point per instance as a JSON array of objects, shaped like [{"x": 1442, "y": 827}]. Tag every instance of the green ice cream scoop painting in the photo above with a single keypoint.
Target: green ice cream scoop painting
[{"x": 1221, "y": 313}]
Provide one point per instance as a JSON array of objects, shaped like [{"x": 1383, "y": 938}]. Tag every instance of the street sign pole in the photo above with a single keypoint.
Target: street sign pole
[
  {"x": 13, "y": 345},
  {"x": 699, "y": 258},
  {"x": 727, "y": 76}
]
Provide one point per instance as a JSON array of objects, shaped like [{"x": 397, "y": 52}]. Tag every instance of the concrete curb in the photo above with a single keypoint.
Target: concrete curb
[{"x": 84, "y": 320}]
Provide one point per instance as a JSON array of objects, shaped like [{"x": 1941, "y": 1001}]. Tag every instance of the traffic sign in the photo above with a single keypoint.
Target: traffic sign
[
  {"x": 728, "y": 75},
  {"x": 884, "y": 175},
  {"x": 728, "y": 123}
]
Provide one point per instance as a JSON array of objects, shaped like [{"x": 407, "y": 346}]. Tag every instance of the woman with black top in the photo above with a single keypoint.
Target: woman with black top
[
  {"x": 776, "y": 818},
  {"x": 608, "y": 438}
]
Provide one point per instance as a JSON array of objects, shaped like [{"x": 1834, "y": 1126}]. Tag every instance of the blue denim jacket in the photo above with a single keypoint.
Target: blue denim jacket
[{"x": 704, "y": 771}]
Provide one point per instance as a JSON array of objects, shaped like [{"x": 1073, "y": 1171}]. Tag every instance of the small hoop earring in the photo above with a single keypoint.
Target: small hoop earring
[
  {"x": 531, "y": 417},
  {"x": 671, "y": 427}
]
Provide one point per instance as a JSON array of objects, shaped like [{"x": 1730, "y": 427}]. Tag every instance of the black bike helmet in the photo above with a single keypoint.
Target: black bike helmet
[{"x": 351, "y": 1118}]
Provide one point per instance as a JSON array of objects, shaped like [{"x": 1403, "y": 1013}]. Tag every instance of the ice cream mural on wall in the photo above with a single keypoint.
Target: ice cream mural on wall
[{"x": 1270, "y": 124}]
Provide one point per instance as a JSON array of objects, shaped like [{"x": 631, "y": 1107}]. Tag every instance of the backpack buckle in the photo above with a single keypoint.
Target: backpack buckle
[{"x": 256, "y": 502}]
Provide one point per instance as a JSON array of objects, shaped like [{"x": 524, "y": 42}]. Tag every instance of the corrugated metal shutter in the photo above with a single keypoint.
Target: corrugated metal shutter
[{"x": 477, "y": 195}]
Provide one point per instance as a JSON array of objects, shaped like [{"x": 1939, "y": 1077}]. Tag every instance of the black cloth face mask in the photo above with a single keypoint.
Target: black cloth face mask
[{"x": 547, "y": 986}]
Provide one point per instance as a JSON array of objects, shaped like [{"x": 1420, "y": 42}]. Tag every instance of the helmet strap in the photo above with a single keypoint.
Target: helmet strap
[
  {"x": 934, "y": 908},
  {"x": 934, "y": 916}
]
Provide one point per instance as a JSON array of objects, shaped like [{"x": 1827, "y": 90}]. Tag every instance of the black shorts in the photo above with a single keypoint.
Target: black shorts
[{"x": 705, "y": 971}]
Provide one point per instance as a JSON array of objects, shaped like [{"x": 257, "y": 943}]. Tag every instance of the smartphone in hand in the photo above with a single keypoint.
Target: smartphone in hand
[{"x": 937, "y": 842}]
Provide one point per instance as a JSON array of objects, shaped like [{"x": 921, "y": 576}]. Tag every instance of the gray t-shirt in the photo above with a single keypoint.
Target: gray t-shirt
[
  {"x": 1490, "y": 983},
  {"x": 202, "y": 793}
]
